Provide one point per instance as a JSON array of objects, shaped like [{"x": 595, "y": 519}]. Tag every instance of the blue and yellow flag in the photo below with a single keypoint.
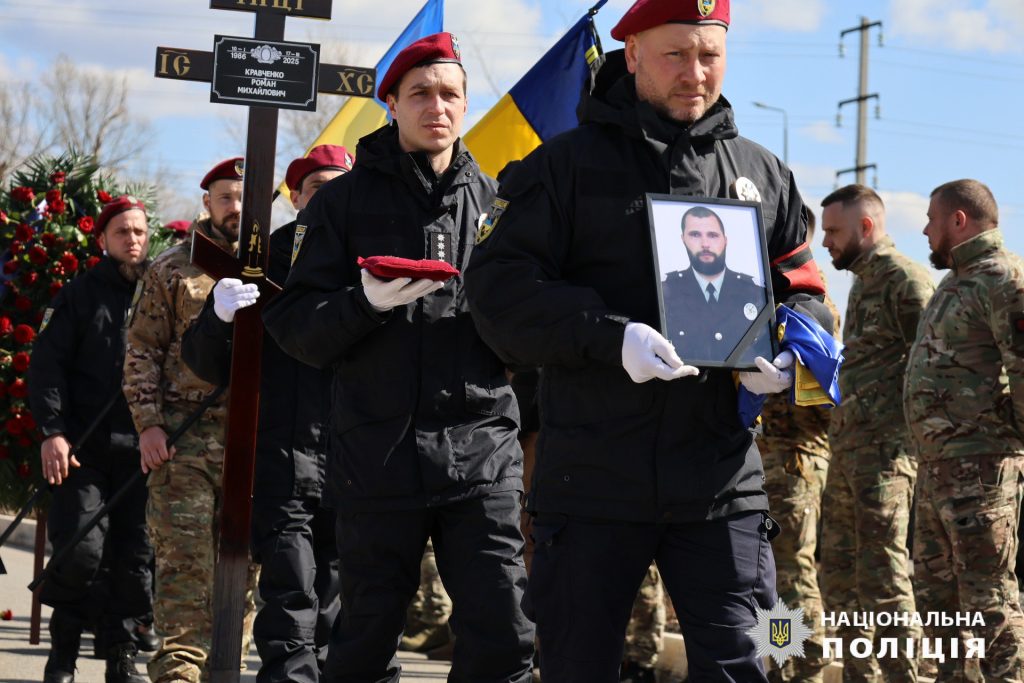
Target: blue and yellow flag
[{"x": 542, "y": 104}]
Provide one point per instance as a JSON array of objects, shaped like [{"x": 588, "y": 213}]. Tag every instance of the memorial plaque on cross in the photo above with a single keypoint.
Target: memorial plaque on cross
[{"x": 264, "y": 73}]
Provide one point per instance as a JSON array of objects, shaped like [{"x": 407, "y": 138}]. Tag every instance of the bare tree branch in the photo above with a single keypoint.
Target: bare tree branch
[{"x": 21, "y": 134}]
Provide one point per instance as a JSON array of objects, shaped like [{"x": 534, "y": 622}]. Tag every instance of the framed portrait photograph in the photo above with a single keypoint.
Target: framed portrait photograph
[{"x": 714, "y": 288}]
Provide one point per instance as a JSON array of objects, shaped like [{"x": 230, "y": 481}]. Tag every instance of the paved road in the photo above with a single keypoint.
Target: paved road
[{"x": 21, "y": 662}]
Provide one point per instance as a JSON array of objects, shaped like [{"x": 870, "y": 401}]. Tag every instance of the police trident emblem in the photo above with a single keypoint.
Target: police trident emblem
[
  {"x": 780, "y": 632},
  {"x": 705, "y": 7}
]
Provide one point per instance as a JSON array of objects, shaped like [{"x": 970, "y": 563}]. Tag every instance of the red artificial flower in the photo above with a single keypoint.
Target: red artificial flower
[
  {"x": 3, "y": 217},
  {"x": 55, "y": 287},
  {"x": 23, "y": 334},
  {"x": 23, "y": 233},
  {"x": 58, "y": 178},
  {"x": 48, "y": 239},
  {"x": 56, "y": 207},
  {"x": 20, "y": 363},
  {"x": 68, "y": 262},
  {"x": 103, "y": 196},
  {"x": 18, "y": 388},
  {"x": 53, "y": 196},
  {"x": 13, "y": 425},
  {"x": 24, "y": 470},
  {"x": 6, "y": 326},
  {"x": 22, "y": 302},
  {"x": 23, "y": 194},
  {"x": 85, "y": 224},
  {"x": 92, "y": 261},
  {"x": 5, "y": 452},
  {"x": 16, "y": 247},
  {"x": 29, "y": 278},
  {"x": 10, "y": 267},
  {"x": 7, "y": 615},
  {"x": 28, "y": 421},
  {"x": 38, "y": 255}
]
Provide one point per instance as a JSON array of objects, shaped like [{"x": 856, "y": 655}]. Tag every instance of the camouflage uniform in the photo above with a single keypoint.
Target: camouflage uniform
[
  {"x": 184, "y": 494},
  {"x": 870, "y": 486},
  {"x": 646, "y": 622},
  {"x": 431, "y": 606},
  {"x": 964, "y": 401},
  {"x": 795, "y": 453}
]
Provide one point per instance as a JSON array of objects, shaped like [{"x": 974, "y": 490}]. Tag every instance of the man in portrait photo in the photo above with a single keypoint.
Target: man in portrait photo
[{"x": 708, "y": 307}]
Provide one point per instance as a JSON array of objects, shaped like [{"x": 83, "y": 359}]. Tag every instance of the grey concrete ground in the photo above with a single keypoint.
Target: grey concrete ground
[{"x": 21, "y": 662}]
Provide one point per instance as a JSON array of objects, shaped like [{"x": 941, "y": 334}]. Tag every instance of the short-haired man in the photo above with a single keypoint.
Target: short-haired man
[
  {"x": 964, "y": 399},
  {"x": 75, "y": 373},
  {"x": 631, "y": 470},
  {"x": 185, "y": 480},
  {"x": 870, "y": 486},
  {"x": 292, "y": 535},
  {"x": 423, "y": 421},
  {"x": 708, "y": 307}
]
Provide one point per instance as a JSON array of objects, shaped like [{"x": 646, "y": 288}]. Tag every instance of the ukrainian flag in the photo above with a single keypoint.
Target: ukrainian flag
[
  {"x": 361, "y": 116},
  {"x": 542, "y": 104}
]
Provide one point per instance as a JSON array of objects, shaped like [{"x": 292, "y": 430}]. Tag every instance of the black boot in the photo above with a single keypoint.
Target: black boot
[
  {"x": 632, "y": 672},
  {"x": 145, "y": 638},
  {"x": 121, "y": 665},
  {"x": 65, "y": 637}
]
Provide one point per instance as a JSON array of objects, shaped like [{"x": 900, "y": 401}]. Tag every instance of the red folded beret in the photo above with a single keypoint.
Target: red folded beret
[
  {"x": 230, "y": 169},
  {"x": 645, "y": 14},
  {"x": 116, "y": 206},
  {"x": 394, "y": 266},
  {"x": 438, "y": 48},
  {"x": 319, "y": 158},
  {"x": 179, "y": 227}
]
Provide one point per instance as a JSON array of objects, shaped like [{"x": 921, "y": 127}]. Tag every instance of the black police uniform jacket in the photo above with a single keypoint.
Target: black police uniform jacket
[
  {"x": 568, "y": 262},
  {"x": 421, "y": 411},
  {"x": 294, "y": 397},
  {"x": 701, "y": 329},
  {"x": 77, "y": 364}
]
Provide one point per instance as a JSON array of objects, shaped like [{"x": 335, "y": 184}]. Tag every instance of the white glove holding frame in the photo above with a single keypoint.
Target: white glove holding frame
[
  {"x": 770, "y": 378},
  {"x": 647, "y": 355}
]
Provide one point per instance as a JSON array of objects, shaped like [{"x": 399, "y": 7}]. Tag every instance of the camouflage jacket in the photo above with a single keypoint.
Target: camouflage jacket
[
  {"x": 964, "y": 390},
  {"x": 888, "y": 297},
  {"x": 154, "y": 375},
  {"x": 792, "y": 431}
]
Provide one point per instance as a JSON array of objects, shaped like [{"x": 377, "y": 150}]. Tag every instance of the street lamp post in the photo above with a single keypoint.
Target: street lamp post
[{"x": 785, "y": 128}]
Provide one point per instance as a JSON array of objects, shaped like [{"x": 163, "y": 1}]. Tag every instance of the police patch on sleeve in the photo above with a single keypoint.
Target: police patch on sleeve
[
  {"x": 746, "y": 190},
  {"x": 300, "y": 232},
  {"x": 47, "y": 314},
  {"x": 489, "y": 220}
]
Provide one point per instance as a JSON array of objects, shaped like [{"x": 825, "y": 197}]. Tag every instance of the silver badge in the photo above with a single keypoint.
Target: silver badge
[
  {"x": 750, "y": 311},
  {"x": 746, "y": 190}
]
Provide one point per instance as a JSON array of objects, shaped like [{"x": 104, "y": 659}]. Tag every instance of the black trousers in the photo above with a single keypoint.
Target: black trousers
[
  {"x": 293, "y": 538},
  {"x": 586, "y": 574},
  {"x": 119, "y": 542},
  {"x": 479, "y": 549}
]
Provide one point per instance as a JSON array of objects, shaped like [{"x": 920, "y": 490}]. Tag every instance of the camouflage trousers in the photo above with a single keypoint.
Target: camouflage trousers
[
  {"x": 794, "y": 500},
  {"x": 182, "y": 512},
  {"x": 965, "y": 546},
  {"x": 646, "y": 622},
  {"x": 431, "y": 606},
  {"x": 864, "y": 557}
]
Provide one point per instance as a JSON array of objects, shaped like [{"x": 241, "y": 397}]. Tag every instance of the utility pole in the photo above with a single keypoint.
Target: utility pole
[{"x": 861, "y": 165}]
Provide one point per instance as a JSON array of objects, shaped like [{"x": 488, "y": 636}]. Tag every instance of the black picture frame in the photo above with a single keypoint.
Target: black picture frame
[{"x": 738, "y": 325}]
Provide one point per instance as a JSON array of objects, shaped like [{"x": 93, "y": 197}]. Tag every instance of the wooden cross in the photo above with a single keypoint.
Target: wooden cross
[{"x": 226, "y": 66}]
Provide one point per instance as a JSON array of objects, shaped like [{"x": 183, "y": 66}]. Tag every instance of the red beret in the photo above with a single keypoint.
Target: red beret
[
  {"x": 179, "y": 227},
  {"x": 116, "y": 206},
  {"x": 319, "y": 158},
  {"x": 230, "y": 169},
  {"x": 645, "y": 14},
  {"x": 435, "y": 49}
]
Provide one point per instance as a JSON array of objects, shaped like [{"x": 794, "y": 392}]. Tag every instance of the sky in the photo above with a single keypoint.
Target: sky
[{"x": 949, "y": 76}]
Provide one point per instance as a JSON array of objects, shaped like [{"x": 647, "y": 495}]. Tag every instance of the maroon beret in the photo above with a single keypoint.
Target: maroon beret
[
  {"x": 319, "y": 158},
  {"x": 178, "y": 227},
  {"x": 438, "y": 48},
  {"x": 645, "y": 14},
  {"x": 230, "y": 169},
  {"x": 395, "y": 266},
  {"x": 116, "y": 206}
]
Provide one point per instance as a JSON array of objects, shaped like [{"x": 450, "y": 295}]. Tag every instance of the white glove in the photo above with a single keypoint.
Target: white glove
[
  {"x": 230, "y": 294},
  {"x": 384, "y": 295},
  {"x": 770, "y": 378},
  {"x": 646, "y": 355}
]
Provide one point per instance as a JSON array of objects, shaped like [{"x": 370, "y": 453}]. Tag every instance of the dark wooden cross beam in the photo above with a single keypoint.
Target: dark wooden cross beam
[{"x": 250, "y": 266}]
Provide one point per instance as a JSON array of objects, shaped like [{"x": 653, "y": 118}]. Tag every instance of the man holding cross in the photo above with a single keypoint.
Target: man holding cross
[
  {"x": 184, "y": 481},
  {"x": 292, "y": 535},
  {"x": 423, "y": 421}
]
